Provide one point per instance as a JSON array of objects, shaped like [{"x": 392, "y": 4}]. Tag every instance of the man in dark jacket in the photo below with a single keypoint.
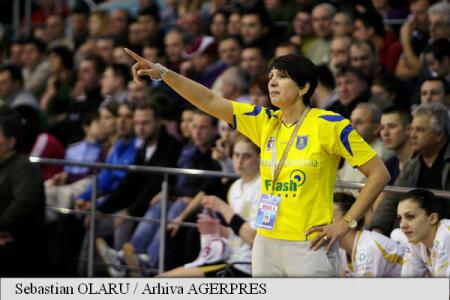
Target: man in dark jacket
[
  {"x": 134, "y": 192},
  {"x": 430, "y": 168},
  {"x": 22, "y": 203}
]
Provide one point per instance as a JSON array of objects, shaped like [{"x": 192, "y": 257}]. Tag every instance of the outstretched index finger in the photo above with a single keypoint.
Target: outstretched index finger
[{"x": 134, "y": 55}]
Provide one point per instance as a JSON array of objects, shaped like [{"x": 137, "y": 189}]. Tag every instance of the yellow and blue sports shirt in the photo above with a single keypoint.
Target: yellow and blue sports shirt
[{"x": 306, "y": 181}]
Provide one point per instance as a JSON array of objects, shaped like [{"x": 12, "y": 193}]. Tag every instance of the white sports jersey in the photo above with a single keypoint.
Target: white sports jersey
[
  {"x": 374, "y": 255},
  {"x": 244, "y": 200},
  {"x": 419, "y": 263}
]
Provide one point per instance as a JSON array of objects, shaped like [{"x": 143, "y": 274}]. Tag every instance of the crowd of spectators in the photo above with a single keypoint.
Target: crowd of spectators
[{"x": 69, "y": 86}]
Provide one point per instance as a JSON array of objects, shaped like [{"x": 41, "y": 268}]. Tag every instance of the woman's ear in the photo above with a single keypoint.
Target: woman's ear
[
  {"x": 303, "y": 90},
  {"x": 434, "y": 218}
]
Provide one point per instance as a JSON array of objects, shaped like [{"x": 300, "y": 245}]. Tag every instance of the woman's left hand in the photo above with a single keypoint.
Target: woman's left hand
[{"x": 328, "y": 234}]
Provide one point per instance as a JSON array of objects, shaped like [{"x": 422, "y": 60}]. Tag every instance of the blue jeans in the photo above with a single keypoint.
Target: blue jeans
[{"x": 146, "y": 237}]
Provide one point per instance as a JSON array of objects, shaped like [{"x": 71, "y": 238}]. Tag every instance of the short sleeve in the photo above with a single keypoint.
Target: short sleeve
[
  {"x": 442, "y": 248},
  {"x": 351, "y": 146},
  {"x": 249, "y": 120}
]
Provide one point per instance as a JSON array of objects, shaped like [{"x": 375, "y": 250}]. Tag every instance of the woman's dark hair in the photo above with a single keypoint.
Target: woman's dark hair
[
  {"x": 428, "y": 202},
  {"x": 301, "y": 70},
  {"x": 65, "y": 55},
  {"x": 345, "y": 201}
]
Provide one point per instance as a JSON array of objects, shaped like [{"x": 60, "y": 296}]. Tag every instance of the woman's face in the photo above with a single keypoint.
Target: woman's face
[
  {"x": 245, "y": 159},
  {"x": 107, "y": 123},
  {"x": 414, "y": 221},
  {"x": 282, "y": 89}
]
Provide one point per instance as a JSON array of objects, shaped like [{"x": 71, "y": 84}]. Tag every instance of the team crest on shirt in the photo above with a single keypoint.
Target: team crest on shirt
[
  {"x": 301, "y": 142},
  {"x": 270, "y": 144},
  {"x": 362, "y": 257}
]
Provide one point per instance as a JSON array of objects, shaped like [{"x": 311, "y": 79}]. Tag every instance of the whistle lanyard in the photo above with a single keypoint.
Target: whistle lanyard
[{"x": 276, "y": 170}]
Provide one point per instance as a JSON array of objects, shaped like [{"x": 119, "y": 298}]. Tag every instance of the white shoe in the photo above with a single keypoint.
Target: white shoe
[{"x": 111, "y": 257}]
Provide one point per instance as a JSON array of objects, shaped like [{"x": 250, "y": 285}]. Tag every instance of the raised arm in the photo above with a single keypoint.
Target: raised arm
[{"x": 197, "y": 94}]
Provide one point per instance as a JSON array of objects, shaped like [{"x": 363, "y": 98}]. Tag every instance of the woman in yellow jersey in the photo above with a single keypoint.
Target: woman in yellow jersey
[
  {"x": 300, "y": 152},
  {"x": 422, "y": 220}
]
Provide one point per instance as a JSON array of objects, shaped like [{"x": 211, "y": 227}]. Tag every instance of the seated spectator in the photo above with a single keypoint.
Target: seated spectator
[
  {"x": 285, "y": 48},
  {"x": 352, "y": 89},
  {"x": 428, "y": 169},
  {"x": 342, "y": 24},
  {"x": 203, "y": 64},
  {"x": 145, "y": 239},
  {"x": 439, "y": 21},
  {"x": 234, "y": 85},
  {"x": 36, "y": 67},
  {"x": 230, "y": 49},
  {"x": 339, "y": 53},
  {"x": 21, "y": 206},
  {"x": 364, "y": 57},
  {"x": 123, "y": 152},
  {"x": 114, "y": 83},
  {"x": 365, "y": 120},
  {"x": 395, "y": 126},
  {"x": 386, "y": 89},
  {"x": 366, "y": 253},
  {"x": 325, "y": 93},
  {"x": 302, "y": 35},
  {"x": 437, "y": 56},
  {"x": 56, "y": 99},
  {"x": 322, "y": 19},
  {"x": 435, "y": 89},
  {"x": 425, "y": 222},
  {"x": 59, "y": 189},
  {"x": 86, "y": 98},
  {"x": 369, "y": 27},
  {"x": 131, "y": 196},
  {"x": 12, "y": 89},
  {"x": 413, "y": 38},
  {"x": 253, "y": 61}
]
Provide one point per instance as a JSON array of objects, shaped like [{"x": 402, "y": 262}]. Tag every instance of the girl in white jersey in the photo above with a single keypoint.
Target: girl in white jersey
[
  {"x": 421, "y": 216},
  {"x": 239, "y": 213},
  {"x": 365, "y": 253}
]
